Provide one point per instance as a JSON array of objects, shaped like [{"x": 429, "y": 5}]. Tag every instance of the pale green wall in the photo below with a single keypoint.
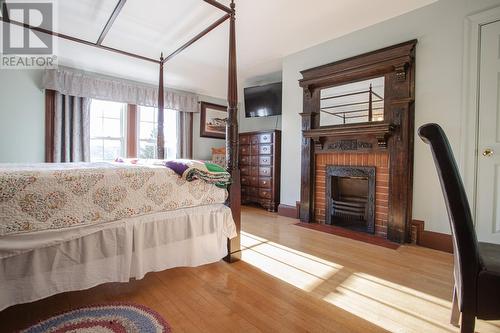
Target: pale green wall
[
  {"x": 439, "y": 29},
  {"x": 258, "y": 123},
  {"x": 22, "y": 116},
  {"x": 202, "y": 146},
  {"x": 22, "y": 119}
]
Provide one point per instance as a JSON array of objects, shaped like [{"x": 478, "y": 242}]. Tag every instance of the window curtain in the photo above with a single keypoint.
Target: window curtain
[
  {"x": 73, "y": 82},
  {"x": 70, "y": 121},
  {"x": 76, "y": 88},
  {"x": 185, "y": 135}
]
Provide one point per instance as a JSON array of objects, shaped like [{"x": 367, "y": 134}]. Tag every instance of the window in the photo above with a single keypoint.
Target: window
[
  {"x": 108, "y": 137},
  {"x": 107, "y": 130},
  {"x": 148, "y": 117}
]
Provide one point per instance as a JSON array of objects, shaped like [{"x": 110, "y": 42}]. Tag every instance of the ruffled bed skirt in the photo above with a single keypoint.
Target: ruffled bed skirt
[{"x": 38, "y": 265}]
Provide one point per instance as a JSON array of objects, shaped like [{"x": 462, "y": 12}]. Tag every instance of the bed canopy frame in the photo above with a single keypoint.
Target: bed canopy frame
[{"x": 234, "y": 199}]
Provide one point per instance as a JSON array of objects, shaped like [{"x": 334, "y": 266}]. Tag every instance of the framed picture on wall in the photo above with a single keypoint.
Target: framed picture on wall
[{"x": 213, "y": 121}]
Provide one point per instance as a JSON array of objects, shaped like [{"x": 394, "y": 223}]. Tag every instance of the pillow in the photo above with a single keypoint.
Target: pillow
[
  {"x": 219, "y": 159},
  {"x": 219, "y": 156},
  {"x": 219, "y": 151}
]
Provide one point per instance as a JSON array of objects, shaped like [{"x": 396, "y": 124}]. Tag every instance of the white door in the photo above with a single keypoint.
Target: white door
[{"x": 488, "y": 171}]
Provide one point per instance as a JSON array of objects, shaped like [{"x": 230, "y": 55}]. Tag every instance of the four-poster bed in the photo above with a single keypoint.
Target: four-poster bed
[{"x": 211, "y": 224}]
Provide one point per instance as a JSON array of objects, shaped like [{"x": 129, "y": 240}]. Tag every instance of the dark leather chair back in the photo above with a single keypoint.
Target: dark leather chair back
[{"x": 465, "y": 245}]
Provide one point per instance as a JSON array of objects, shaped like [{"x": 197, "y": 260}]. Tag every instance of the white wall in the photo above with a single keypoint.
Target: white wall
[
  {"x": 439, "y": 29},
  {"x": 202, "y": 147},
  {"x": 22, "y": 116}
]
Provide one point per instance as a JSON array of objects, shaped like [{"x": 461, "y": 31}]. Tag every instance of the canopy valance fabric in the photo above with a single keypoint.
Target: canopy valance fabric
[{"x": 77, "y": 83}]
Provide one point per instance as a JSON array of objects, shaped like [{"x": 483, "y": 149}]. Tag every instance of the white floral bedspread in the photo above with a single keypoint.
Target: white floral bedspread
[{"x": 52, "y": 196}]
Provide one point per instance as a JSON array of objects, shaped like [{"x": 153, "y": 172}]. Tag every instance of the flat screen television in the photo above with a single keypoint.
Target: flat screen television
[{"x": 263, "y": 101}]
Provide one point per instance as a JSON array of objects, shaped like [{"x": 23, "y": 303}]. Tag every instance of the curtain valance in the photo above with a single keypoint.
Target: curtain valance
[{"x": 77, "y": 83}]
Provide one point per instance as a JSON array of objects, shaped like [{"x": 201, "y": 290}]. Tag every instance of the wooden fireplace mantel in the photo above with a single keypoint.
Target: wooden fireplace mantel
[
  {"x": 396, "y": 58},
  {"x": 379, "y": 130},
  {"x": 394, "y": 135}
]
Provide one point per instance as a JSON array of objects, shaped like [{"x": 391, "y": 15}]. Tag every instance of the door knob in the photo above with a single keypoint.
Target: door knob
[{"x": 488, "y": 152}]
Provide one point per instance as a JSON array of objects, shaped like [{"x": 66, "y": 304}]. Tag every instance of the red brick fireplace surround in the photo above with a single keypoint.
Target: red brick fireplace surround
[{"x": 378, "y": 160}]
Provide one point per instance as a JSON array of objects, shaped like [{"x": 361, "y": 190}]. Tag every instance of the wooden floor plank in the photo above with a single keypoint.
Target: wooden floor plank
[{"x": 291, "y": 279}]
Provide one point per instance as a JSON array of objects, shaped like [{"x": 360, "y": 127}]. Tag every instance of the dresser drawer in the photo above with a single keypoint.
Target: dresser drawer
[
  {"x": 245, "y": 160},
  {"x": 245, "y": 150},
  {"x": 245, "y": 180},
  {"x": 265, "y": 171},
  {"x": 245, "y": 170},
  {"x": 254, "y": 181},
  {"x": 244, "y": 140},
  {"x": 265, "y": 160},
  {"x": 266, "y": 203},
  {"x": 259, "y": 156},
  {"x": 265, "y": 138},
  {"x": 249, "y": 191},
  {"x": 265, "y": 194},
  {"x": 245, "y": 191},
  {"x": 265, "y": 149},
  {"x": 265, "y": 182}
]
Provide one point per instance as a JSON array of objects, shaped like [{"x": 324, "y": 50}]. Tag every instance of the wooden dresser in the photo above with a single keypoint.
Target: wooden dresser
[{"x": 260, "y": 164}]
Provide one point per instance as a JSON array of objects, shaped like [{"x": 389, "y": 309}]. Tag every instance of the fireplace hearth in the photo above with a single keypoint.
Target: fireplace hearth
[{"x": 350, "y": 197}]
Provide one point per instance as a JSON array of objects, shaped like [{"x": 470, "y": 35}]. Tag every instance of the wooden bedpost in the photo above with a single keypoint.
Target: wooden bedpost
[
  {"x": 232, "y": 141},
  {"x": 160, "y": 140}
]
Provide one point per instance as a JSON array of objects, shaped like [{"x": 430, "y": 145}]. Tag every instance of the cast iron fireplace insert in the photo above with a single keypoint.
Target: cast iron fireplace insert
[{"x": 350, "y": 197}]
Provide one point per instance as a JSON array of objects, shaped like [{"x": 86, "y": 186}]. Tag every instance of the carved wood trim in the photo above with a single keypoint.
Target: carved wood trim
[
  {"x": 351, "y": 130},
  {"x": 347, "y": 145},
  {"x": 395, "y": 134},
  {"x": 395, "y": 58},
  {"x": 232, "y": 141}
]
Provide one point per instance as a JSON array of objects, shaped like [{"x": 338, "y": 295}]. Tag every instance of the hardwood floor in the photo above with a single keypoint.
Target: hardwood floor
[{"x": 290, "y": 279}]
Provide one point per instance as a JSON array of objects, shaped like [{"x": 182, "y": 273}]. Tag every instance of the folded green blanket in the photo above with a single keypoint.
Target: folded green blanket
[{"x": 206, "y": 171}]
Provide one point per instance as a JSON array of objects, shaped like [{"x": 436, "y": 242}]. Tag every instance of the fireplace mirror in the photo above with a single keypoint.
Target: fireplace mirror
[{"x": 352, "y": 103}]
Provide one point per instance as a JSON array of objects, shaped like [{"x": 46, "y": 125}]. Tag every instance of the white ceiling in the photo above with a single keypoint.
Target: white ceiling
[{"x": 267, "y": 31}]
